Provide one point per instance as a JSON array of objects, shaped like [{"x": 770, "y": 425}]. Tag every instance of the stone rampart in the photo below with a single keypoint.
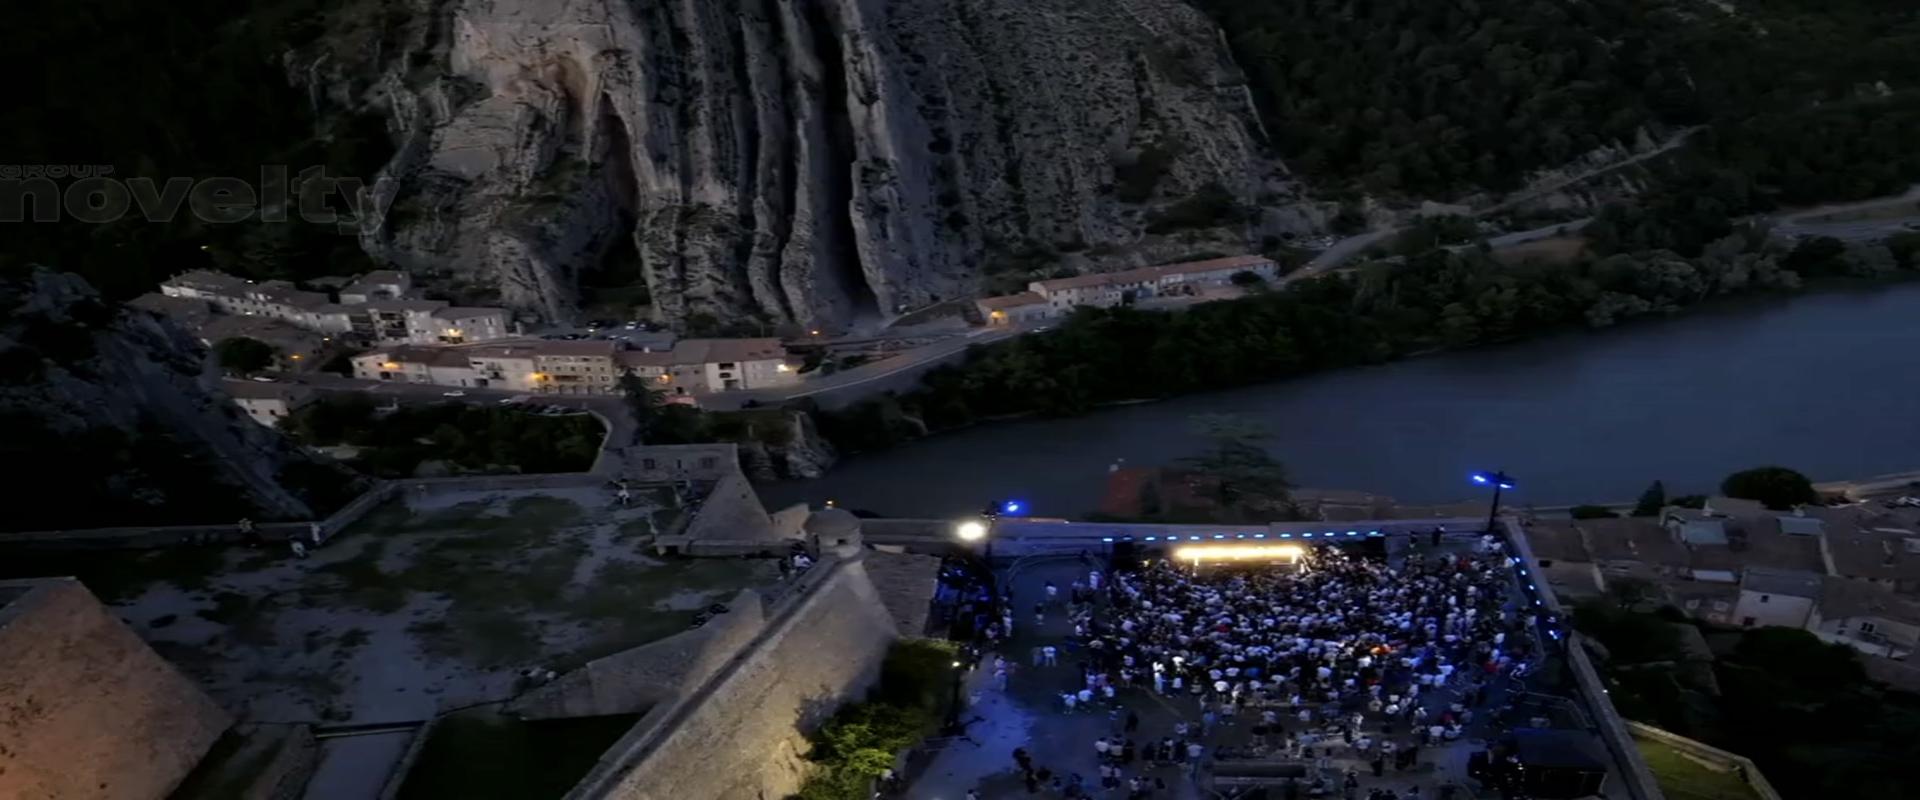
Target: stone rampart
[
  {"x": 87, "y": 710},
  {"x": 741, "y": 733},
  {"x": 638, "y": 678}
]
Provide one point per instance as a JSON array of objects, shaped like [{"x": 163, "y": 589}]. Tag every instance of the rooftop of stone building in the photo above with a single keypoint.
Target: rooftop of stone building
[
  {"x": 1796, "y": 583},
  {"x": 13, "y": 590}
]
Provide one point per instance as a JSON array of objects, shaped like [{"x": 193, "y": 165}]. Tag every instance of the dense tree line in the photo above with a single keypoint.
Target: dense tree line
[
  {"x": 471, "y": 438},
  {"x": 1804, "y": 710},
  {"x": 1426, "y": 97},
  {"x": 1438, "y": 299}
]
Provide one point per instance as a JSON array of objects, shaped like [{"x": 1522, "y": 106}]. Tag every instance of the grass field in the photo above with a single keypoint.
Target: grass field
[
  {"x": 1682, "y": 778},
  {"x": 480, "y": 755}
]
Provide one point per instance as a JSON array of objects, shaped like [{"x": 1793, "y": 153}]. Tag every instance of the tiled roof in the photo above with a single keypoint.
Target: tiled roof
[
  {"x": 466, "y": 312},
  {"x": 403, "y": 304},
  {"x": 577, "y": 347},
  {"x": 1872, "y": 543},
  {"x": 1797, "y": 583},
  {"x": 209, "y": 281},
  {"x": 642, "y": 358},
  {"x": 1632, "y": 539},
  {"x": 1010, "y": 301},
  {"x": 713, "y": 351},
  {"x": 1841, "y": 598},
  {"x": 1557, "y": 540}
]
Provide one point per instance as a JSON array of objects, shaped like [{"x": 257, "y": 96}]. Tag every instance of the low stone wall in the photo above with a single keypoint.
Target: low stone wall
[
  {"x": 397, "y": 777},
  {"x": 87, "y": 710},
  {"x": 1729, "y": 762},
  {"x": 1613, "y": 731},
  {"x": 136, "y": 538},
  {"x": 142, "y": 538},
  {"x": 636, "y": 679},
  {"x": 502, "y": 483},
  {"x": 741, "y": 733}
]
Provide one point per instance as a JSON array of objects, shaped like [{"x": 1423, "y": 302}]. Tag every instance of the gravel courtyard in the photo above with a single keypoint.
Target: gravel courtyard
[{"x": 429, "y": 603}]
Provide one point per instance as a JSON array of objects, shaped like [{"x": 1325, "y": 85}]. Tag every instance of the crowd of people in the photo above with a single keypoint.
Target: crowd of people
[{"x": 1338, "y": 656}]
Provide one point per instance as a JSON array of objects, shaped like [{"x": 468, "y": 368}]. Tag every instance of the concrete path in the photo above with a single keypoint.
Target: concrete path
[{"x": 356, "y": 767}]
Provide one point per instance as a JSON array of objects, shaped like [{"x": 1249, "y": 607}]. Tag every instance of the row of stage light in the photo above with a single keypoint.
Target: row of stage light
[{"x": 1196, "y": 537}]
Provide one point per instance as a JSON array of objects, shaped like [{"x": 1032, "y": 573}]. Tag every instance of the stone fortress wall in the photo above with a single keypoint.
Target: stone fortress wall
[
  {"x": 739, "y": 732},
  {"x": 87, "y": 710}
]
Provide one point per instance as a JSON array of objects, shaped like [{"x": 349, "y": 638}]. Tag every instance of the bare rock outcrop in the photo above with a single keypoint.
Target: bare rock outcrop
[
  {"x": 124, "y": 393},
  {"x": 808, "y": 161}
]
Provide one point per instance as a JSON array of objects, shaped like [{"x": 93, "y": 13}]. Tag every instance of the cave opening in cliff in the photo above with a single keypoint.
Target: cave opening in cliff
[
  {"x": 615, "y": 284},
  {"x": 845, "y": 255}
]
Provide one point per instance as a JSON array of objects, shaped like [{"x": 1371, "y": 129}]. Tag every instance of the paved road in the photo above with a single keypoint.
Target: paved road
[
  {"x": 1347, "y": 248},
  {"x": 897, "y": 372}
]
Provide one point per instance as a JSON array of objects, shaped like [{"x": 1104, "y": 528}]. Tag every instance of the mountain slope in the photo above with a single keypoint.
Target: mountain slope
[
  {"x": 821, "y": 161},
  {"x": 112, "y": 420}
]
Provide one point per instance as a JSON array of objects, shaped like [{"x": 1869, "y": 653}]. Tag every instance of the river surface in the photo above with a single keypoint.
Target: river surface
[{"x": 1826, "y": 383}]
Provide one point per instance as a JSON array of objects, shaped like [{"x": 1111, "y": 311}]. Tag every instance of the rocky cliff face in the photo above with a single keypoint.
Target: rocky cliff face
[
  {"x": 810, "y": 161},
  {"x": 107, "y": 405},
  {"x": 794, "y": 449}
]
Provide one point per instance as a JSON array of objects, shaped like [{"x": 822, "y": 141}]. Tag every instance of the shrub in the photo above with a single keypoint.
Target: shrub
[{"x": 862, "y": 739}]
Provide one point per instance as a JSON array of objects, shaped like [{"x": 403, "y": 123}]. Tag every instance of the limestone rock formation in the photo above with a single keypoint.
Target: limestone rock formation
[
  {"x": 76, "y": 368},
  {"x": 795, "y": 450},
  {"x": 807, "y": 161}
]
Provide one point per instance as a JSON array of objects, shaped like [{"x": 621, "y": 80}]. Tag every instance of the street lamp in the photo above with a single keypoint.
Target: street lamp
[
  {"x": 976, "y": 530},
  {"x": 1500, "y": 481},
  {"x": 953, "y": 726}
]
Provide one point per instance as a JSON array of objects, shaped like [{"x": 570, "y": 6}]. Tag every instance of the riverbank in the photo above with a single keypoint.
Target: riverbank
[{"x": 1814, "y": 381}]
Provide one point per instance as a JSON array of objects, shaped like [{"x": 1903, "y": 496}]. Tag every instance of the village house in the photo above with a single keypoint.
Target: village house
[
  {"x": 267, "y": 403},
  {"x": 1865, "y": 616},
  {"x": 1013, "y": 309},
  {"x": 1776, "y": 597},
  {"x": 378, "y": 285},
  {"x": 587, "y": 366},
  {"x": 378, "y": 307},
  {"x": 1874, "y": 543},
  {"x": 1830, "y": 571},
  {"x": 1056, "y": 297}
]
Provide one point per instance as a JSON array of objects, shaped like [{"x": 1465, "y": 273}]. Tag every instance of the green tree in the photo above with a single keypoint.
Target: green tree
[
  {"x": 643, "y": 402},
  {"x": 1628, "y": 593},
  {"x": 1242, "y": 473},
  {"x": 677, "y": 423},
  {"x": 1651, "y": 501},
  {"x": 1777, "y": 488},
  {"x": 243, "y": 355},
  {"x": 1690, "y": 501}
]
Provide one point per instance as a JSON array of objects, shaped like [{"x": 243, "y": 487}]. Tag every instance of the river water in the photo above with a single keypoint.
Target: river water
[{"x": 1826, "y": 383}]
